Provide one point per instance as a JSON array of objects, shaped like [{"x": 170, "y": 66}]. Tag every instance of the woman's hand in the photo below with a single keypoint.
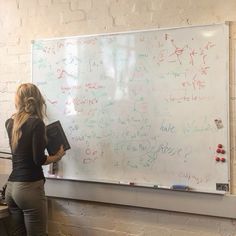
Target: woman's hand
[
  {"x": 60, "y": 153},
  {"x": 57, "y": 157}
]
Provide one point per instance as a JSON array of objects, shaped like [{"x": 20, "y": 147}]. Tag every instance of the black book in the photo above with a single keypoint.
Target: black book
[{"x": 56, "y": 137}]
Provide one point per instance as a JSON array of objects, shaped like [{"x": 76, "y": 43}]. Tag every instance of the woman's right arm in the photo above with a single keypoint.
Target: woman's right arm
[{"x": 57, "y": 157}]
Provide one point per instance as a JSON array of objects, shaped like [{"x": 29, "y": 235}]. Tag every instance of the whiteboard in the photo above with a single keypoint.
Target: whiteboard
[
  {"x": 145, "y": 107},
  {"x": 7, "y": 92}
]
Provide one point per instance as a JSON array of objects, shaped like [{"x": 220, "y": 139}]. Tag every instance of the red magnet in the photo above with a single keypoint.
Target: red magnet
[
  {"x": 217, "y": 158},
  {"x": 223, "y": 151},
  {"x": 218, "y": 150},
  {"x": 220, "y": 146},
  {"x": 222, "y": 159}
]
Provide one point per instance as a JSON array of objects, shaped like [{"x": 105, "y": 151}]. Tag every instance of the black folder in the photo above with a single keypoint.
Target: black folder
[{"x": 55, "y": 138}]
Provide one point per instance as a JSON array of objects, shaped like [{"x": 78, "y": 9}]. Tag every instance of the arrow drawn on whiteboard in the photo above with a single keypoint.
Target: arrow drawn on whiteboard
[{"x": 52, "y": 102}]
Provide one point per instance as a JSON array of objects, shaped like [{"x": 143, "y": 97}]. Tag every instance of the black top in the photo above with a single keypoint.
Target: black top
[{"x": 29, "y": 156}]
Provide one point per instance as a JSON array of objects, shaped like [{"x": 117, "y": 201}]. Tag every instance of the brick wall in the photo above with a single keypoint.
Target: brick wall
[
  {"x": 92, "y": 219},
  {"x": 21, "y": 21}
]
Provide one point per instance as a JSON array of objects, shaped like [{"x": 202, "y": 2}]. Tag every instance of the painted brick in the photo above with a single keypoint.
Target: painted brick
[
  {"x": 24, "y": 58},
  {"x": 18, "y": 49},
  {"x": 187, "y": 233},
  {"x": 68, "y": 17},
  {"x": 121, "y": 7},
  {"x": 154, "y": 231},
  {"x": 25, "y": 4},
  {"x": 80, "y": 5},
  {"x": 44, "y": 3}
]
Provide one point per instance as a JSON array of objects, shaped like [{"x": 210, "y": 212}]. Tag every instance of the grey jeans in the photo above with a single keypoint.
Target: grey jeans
[{"x": 28, "y": 208}]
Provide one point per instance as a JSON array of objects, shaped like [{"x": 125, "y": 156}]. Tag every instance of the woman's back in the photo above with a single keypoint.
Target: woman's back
[{"x": 29, "y": 155}]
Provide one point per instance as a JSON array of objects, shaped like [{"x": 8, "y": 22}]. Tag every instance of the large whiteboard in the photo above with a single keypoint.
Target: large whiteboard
[{"x": 148, "y": 107}]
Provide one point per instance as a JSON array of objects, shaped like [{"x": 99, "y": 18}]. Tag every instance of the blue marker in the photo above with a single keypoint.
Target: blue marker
[{"x": 180, "y": 187}]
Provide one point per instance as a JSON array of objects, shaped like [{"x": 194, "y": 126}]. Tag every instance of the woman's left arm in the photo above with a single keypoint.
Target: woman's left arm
[{"x": 39, "y": 143}]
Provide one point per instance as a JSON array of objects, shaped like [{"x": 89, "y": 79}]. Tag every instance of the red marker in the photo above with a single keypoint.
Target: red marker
[
  {"x": 222, "y": 159},
  {"x": 223, "y": 151},
  {"x": 217, "y": 158},
  {"x": 220, "y": 145},
  {"x": 218, "y": 150}
]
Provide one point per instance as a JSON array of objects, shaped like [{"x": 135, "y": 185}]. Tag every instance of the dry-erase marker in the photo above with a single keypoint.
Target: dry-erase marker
[
  {"x": 143, "y": 185},
  {"x": 162, "y": 186},
  {"x": 122, "y": 182},
  {"x": 180, "y": 187}
]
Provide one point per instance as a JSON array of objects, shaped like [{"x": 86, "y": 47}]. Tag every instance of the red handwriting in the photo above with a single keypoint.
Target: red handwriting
[
  {"x": 178, "y": 51},
  {"x": 62, "y": 74}
]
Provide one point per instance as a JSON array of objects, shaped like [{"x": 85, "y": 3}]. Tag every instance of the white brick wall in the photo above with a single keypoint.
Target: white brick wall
[
  {"x": 89, "y": 219},
  {"x": 24, "y": 20}
]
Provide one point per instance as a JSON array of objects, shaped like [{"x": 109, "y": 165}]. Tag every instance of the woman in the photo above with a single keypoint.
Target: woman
[{"x": 25, "y": 188}]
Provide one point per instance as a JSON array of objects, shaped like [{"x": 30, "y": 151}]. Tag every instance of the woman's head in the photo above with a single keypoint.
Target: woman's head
[{"x": 29, "y": 100}]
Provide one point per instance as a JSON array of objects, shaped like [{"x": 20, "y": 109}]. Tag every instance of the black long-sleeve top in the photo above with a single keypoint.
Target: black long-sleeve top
[{"x": 29, "y": 156}]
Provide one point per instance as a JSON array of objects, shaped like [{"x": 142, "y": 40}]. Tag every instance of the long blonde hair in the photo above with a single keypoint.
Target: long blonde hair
[{"x": 29, "y": 102}]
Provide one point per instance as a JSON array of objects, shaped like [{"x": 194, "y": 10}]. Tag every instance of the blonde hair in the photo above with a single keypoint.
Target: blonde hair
[{"x": 29, "y": 102}]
